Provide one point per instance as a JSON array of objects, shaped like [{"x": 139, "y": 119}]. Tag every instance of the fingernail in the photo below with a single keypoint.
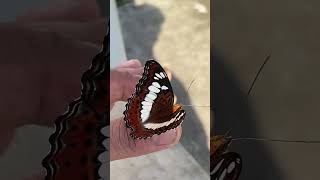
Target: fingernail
[{"x": 166, "y": 138}]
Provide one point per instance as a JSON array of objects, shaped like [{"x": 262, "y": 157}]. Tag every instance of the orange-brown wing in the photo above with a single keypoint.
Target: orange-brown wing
[{"x": 150, "y": 110}]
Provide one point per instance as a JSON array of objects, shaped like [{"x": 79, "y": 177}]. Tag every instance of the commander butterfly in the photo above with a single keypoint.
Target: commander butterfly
[
  {"x": 79, "y": 145},
  {"x": 151, "y": 109}
]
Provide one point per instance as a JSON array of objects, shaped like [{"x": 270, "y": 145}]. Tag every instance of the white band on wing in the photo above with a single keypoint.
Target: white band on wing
[{"x": 167, "y": 123}]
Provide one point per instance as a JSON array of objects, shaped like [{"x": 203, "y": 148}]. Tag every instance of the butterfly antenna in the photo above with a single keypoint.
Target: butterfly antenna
[
  {"x": 227, "y": 134},
  {"x": 276, "y": 140},
  {"x": 190, "y": 84},
  {"x": 190, "y": 105},
  {"x": 257, "y": 75},
  {"x": 266, "y": 139}
]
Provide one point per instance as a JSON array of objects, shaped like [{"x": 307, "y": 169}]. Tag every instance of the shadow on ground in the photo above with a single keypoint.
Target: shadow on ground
[
  {"x": 233, "y": 112},
  {"x": 140, "y": 33},
  {"x": 285, "y": 101}
]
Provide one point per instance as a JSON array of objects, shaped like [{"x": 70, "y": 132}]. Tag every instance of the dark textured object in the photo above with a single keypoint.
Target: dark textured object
[
  {"x": 224, "y": 165},
  {"x": 147, "y": 117},
  {"x": 81, "y": 133}
]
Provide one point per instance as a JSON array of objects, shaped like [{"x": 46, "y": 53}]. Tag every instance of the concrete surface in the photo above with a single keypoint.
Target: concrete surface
[
  {"x": 170, "y": 164},
  {"x": 285, "y": 101},
  {"x": 118, "y": 54},
  {"x": 184, "y": 48},
  {"x": 176, "y": 33}
]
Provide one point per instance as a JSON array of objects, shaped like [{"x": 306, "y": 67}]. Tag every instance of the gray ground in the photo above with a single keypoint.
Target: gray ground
[
  {"x": 178, "y": 36},
  {"x": 285, "y": 101}
]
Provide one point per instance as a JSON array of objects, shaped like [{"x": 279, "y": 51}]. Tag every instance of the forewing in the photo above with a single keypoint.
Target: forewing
[{"x": 151, "y": 103}]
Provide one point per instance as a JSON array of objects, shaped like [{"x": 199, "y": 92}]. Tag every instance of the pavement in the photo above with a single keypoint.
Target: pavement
[
  {"x": 284, "y": 103},
  {"x": 177, "y": 34}
]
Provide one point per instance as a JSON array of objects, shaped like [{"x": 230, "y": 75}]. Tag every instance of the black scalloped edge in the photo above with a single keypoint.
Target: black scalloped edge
[
  {"x": 88, "y": 80},
  {"x": 136, "y": 93}
]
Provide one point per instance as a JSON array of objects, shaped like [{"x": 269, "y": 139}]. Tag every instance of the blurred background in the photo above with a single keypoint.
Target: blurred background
[
  {"x": 285, "y": 101},
  {"x": 45, "y": 48},
  {"x": 177, "y": 34}
]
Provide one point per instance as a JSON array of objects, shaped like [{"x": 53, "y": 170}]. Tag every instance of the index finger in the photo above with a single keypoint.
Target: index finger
[{"x": 133, "y": 63}]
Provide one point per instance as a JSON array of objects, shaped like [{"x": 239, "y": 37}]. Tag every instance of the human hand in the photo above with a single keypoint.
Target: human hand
[
  {"x": 75, "y": 19},
  {"x": 34, "y": 62},
  {"x": 37, "y": 51},
  {"x": 123, "y": 80},
  {"x": 122, "y": 84}
]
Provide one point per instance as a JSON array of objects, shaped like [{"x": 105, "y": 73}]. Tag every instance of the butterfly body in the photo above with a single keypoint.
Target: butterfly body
[
  {"x": 151, "y": 109},
  {"x": 80, "y": 141},
  {"x": 224, "y": 165}
]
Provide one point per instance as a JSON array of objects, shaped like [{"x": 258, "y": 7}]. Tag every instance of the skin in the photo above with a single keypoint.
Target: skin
[
  {"x": 123, "y": 80},
  {"x": 38, "y": 50}
]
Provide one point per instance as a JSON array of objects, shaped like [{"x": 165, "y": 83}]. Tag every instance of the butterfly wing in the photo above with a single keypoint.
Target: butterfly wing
[
  {"x": 150, "y": 110},
  {"x": 226, "y": 166},
  {"x": 79, "y": 145}
]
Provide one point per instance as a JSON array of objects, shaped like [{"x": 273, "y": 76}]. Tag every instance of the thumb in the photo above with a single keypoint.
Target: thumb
[{"x": 123, "y": 146}]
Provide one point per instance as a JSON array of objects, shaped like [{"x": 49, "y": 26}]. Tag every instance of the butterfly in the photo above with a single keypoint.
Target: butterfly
[
  {"x": 224, "y": 165},
  {"x": 79, "y": 145},
  {"x": 151, "y": 109}
]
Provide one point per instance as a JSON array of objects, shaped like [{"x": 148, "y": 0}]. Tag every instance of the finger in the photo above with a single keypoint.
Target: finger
[
  {"x": 79, "y": 20},
  {"x": 134, "y": 71},
  {"x": 90, "y": 31},
  {"x": 125, "y": 86},
  {"x": 133, "y": 63},
  {"x": 129, "y": 87},
  {"x": 122, "y": 85},
  {"x": 123, "y": 146},
  {"x": 62, "y": 11}
]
